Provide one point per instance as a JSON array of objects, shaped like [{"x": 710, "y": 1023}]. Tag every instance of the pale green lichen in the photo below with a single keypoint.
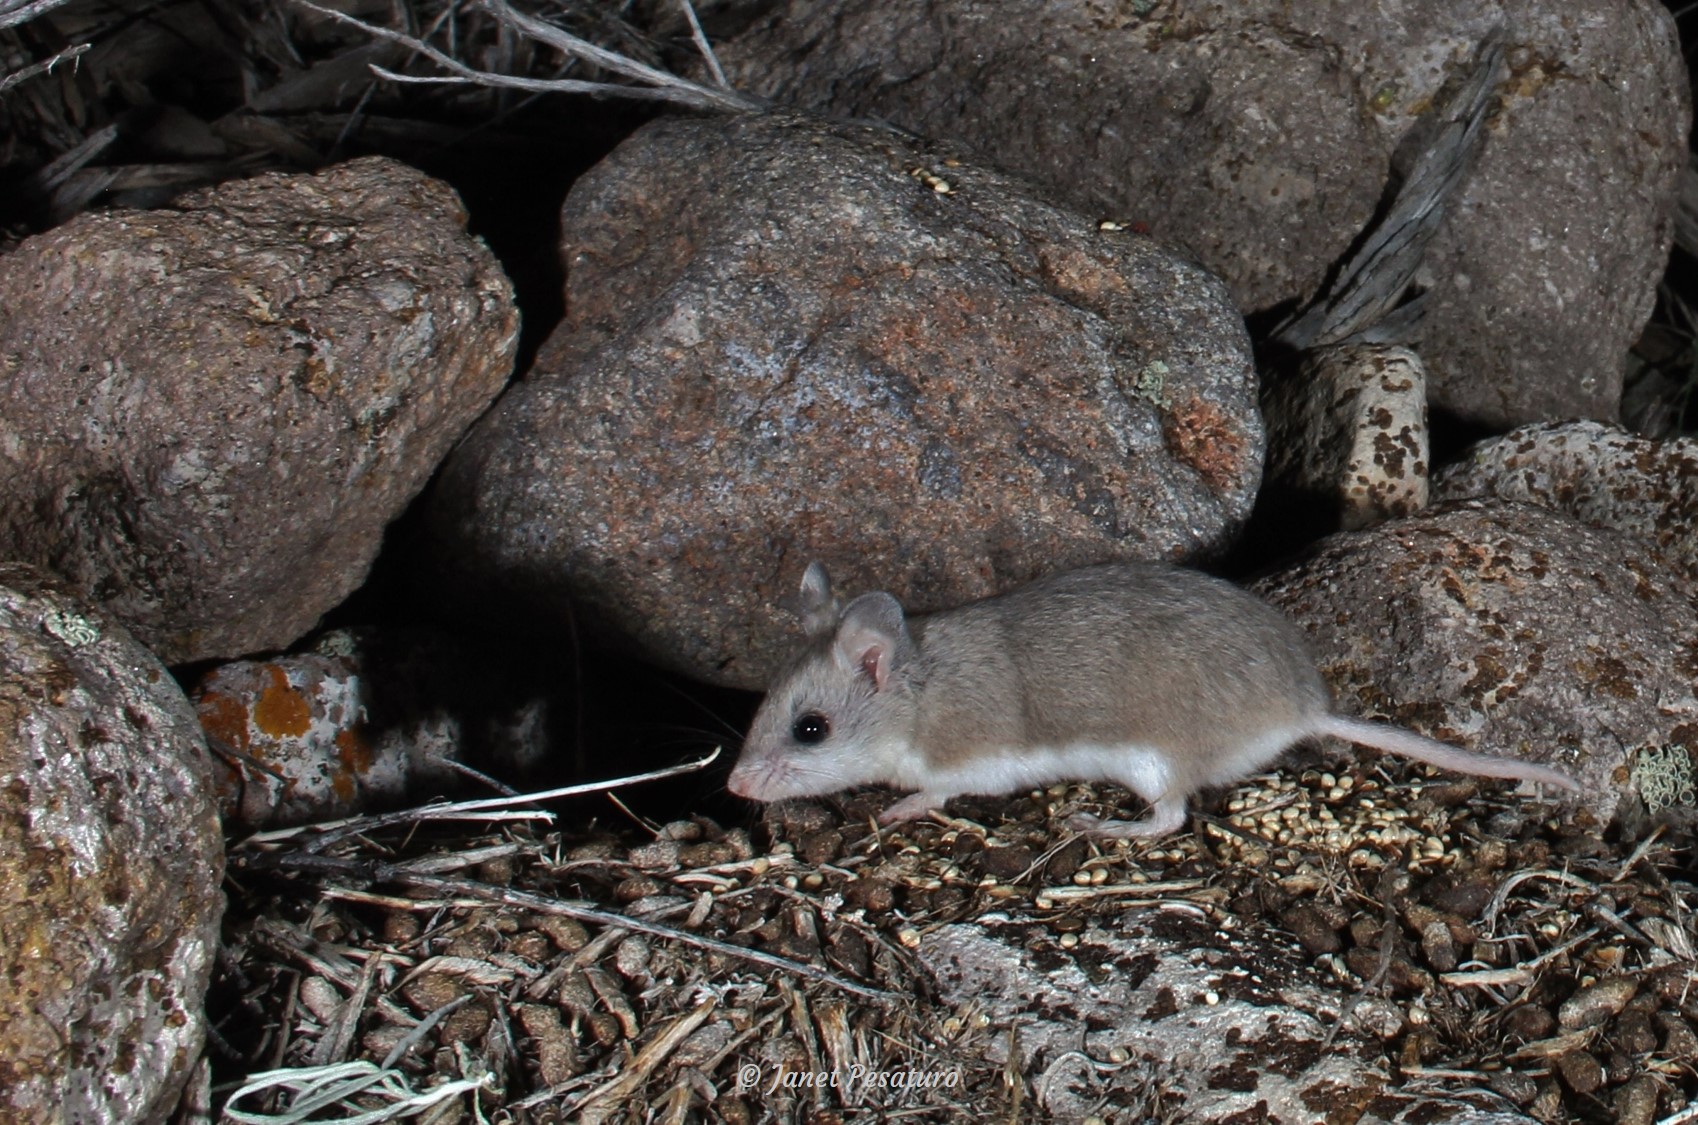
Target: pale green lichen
[
  {"x": 338, "y": 642},
  {"x": 1152, "y": 382},
  {"x": 72, "y": 628},
  {"x": 1665, "y": 777}
]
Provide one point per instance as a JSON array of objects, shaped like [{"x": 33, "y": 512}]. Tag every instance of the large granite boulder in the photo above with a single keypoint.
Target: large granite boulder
[
  {"x": 208, "y": 414},
  {"x": 788, "y": 339},
  {"x": 110, "y": 860},
  {"x": 1263, "y": 134}
]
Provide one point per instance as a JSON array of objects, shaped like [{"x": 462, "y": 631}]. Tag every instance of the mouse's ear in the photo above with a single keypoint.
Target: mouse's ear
[
  {"x": 872, "y": 638},
  {"x": 817, "y": 605}
]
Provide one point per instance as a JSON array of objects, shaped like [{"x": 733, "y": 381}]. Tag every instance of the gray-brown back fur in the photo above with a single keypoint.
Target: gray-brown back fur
[{"x": 1117, "y": 654}]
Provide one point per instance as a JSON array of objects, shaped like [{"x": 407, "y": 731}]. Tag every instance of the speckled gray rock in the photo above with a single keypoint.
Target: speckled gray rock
[
  {"x": 1601, "y": 475},
  {"x": 110, "y": 857},
  {"x": 209, "y": 414},
  {"x": 1232, "y": 1026},
  {"x": 1511, "y": 630},
  {"x": 787, "y": 339},
  {"x": 1261, "y": 133}
]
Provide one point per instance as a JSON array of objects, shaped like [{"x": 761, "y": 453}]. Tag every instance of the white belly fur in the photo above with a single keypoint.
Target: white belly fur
[{"x": 1141, "y": 769}]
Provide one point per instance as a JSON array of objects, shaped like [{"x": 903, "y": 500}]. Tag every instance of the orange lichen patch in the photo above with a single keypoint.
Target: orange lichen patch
[
  {"x": 281, "y": 711},
  {"x": 344, "y": 785},
  {"x": 353, "y": 751},
  {"x": 1203, "y": 436},
  {"x": 224, "y": 719}
]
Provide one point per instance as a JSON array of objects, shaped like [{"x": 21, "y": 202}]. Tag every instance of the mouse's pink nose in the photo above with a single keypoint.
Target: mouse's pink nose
[{"x": 739, "y": 781}]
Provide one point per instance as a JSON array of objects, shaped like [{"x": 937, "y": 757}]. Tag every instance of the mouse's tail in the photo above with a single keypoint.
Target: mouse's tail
[{"x": 1408, "y": 744}]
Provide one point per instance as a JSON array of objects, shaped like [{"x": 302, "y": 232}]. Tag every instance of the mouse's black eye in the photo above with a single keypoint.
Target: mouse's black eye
[{"x": 810, "y": 729}]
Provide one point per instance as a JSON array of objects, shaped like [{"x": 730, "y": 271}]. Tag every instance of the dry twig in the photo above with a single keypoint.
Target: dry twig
[
  {"x": 700, "y": 38},
  {"x": 14, "y": 12},
  {"x": 1360, "y": 303},
  {"x": 45, "y": 66},
  {"x": 598, "y": 1103},
  {"x": 545, "y": 904},
  {"x": 656, "y": 84},
  {"x": 484, "y": 808}
]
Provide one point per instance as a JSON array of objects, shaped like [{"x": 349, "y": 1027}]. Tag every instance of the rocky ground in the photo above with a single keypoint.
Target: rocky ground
[{"x": 1462, "y": 938}]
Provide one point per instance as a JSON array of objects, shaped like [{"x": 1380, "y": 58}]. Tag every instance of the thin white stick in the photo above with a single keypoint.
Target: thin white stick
[
  {"x": 534, "y": 85},
  {"x": 588, "y": 786},
  {"x": 485, "y": 808},
  {"x": 703, "y": 46}
]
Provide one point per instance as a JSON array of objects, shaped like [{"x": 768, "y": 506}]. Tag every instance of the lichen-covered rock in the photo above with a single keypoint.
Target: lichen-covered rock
[
  {"x": 110, "y": 861},
  {"x": 1349, "y": 433},
  {"x": 1232, "y": 1026},
  {"x": 1512, "y": 630},
  {"x": 303, "y": 749},
  {"x": 1601, "y": 475},
  {"x": 788, "y": 339},
  {"x": 208, "y": 414},
  {"x": 1261, "y": 134},
  {"x": 372, "y": 718}
]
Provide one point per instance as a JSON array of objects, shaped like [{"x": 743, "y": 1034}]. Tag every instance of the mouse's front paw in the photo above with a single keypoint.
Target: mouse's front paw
[{"x": 912, "y": 807}]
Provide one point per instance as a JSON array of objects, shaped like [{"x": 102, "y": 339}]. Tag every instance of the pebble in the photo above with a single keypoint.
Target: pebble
[
  {"x": 1580, "y": 1072},
  {"x": 1636, "y": 1101},
  {"x": 1596, "y": 1003}
]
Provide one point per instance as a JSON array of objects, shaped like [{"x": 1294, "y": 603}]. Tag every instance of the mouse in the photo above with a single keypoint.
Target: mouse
[{"x": 1157, "y": 677}]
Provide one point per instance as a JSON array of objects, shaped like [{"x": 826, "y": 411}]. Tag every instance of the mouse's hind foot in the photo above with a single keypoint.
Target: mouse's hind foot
[{"x": 1165, "y": 817}]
